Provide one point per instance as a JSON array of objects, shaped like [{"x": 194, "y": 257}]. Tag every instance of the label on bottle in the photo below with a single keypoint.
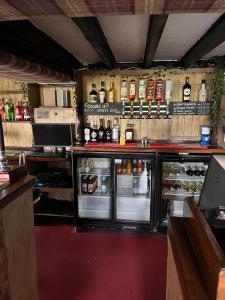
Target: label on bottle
[
  {"x": 132, "y": 89},
  {"x": 115, "y": 134},
  {"x": 90, "y": 188},
  {"x": 101, "y": 134},
  {"x": 129, "y": 135},
  {"x": 111, "y": 96},
  {"x": 93, "y": 98},
  {"x": 150, "y": 90},
  {"x": 159, "y": 90},
  {"x": 123, "y": 93},
  {"x": 102, "y": 96},
  {"x": 187, "y": 93},
  {"x": 141, "y": 92},
  {"x": 94, "y": 136},
  {"x": 108, "y": 136},
  {"x": 87, "y": 134}
]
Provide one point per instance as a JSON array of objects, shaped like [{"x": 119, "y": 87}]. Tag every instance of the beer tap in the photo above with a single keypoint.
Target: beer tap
[
  {"x": 167, "y": 110},
  {"x": 149, "y": 111},
  {"x": 157, "y": 115}
]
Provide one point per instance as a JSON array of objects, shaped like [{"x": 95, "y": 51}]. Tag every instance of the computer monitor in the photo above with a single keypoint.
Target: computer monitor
[
  {"x": 59, "y": 135},
  {"x": 213, "y": 191}
]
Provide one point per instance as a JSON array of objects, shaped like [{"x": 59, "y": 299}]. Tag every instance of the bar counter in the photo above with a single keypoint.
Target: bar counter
[
  {"x": 153, "y": 148},
  {"x": 18, "y": 273}
]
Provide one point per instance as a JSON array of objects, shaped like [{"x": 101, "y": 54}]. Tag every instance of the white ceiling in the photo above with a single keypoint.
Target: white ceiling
[
  {"x": 181, "y": 32},
  {"x": 67, "y": 34},
  {"x": 218, "y": 51},
  {"x": 126, "y": 36}
]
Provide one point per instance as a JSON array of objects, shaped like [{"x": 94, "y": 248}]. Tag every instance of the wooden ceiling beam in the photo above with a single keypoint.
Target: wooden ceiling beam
[
  {"x": 214, "y": 36},
  {"x": 23, "y": 39},
  {"x": 93, "y": 32},
  {"x": 155, "y": 29}
]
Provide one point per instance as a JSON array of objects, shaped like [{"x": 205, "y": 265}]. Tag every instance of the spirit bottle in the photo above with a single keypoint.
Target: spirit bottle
[
  {"x": 87, "y": 132},
  {"x": 101, "y": 132},
  {"x": 186, "y": 91},
  {"x": 142, "y": 89},
  {"x": 9, "y": 110},
  {"x": 129, "y": 134},
  {"x": 102, "y": 93},
  {"x": 108, "y": 133},
  {"x": 112, "y": 92},
  {"x": 2, "y": 110},
  {"x": 93, "y": 96},
  {"x": 19, "y": 111},
  {"x": 115, "y": 132},
  {"x": 150, "y": 94},
  {"x": 168, "y": 91},
  {"x": 124, "y": 90},
  {"x": 133, "y": 90},
  {"x": 202, "y": 92},
  {"x": 159, "y": 90}
]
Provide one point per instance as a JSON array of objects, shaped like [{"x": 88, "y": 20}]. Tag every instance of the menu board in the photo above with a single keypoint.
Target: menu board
[
  {"x": 190, "y": 108},
  {"x": 109, "y": 108}
]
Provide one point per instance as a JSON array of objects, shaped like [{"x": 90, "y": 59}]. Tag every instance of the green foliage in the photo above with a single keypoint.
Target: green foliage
[{"x": 217, "y": 88}]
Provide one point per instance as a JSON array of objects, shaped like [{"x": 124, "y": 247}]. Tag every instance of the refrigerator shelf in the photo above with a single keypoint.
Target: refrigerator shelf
[
  {"x": 183, "y": 178},
  {"x": 94, "y": 174},
  {"x": 96, "y": 171},
  {"x": 173, "y": 196},
  {"x": 96, "y": 194}
]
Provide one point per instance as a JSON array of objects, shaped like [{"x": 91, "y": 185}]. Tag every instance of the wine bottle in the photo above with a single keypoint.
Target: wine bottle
[{"x": 186, "y": 91}]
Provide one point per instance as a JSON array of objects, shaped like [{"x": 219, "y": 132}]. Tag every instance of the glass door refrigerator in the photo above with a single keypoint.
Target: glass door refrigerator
[
  {"x": 134, "y": 192},
  {"x": 114, "y": 191},
  {"x": 179, "y": 176}
]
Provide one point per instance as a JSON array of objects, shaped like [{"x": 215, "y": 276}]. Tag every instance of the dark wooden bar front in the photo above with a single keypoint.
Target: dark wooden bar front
[
  {"x": 196, "y": 263},
  {"x": 18, "y": 277}
]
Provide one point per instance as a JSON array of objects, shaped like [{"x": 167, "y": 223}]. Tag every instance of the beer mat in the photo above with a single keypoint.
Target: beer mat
[{"x": 133, "y": 145}]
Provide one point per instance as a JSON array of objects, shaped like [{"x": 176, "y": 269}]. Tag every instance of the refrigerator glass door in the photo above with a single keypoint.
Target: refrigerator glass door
[
  {"x": 181, "y": 180},
  {"x": 94, "y": 188},
  {"x": 133, "y": 189}
]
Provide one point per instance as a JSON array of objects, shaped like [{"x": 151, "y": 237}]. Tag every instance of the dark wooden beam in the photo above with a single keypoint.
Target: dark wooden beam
[
  {"x": 211, "y": 39},
  {"x": 93, "y": 32},
  {"x": 23, "y": 39},
  {"x": 155, "y": 29}
]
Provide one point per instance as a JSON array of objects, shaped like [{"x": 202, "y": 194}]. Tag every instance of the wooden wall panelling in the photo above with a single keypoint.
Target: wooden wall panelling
[
  {"x": 187, "y": 127},
  {"x": 17, "y": 134}
]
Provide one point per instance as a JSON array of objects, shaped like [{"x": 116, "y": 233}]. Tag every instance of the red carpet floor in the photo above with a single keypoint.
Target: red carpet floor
[{"x": 99, "y": 266}]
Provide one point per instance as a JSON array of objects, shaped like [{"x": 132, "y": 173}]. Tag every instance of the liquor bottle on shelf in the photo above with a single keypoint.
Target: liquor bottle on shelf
[
  {"x": 26, "y": 112},
  {"x": 112, "y": 93},
  {"x": 101, "y": 132},
  {"x": 196, "y": 172},
  {"x": 202, "y": 92},
  {"x": 84, "y": 184},
  {"x": 189, "y": 171},
  {"x": 93, "y": 96},
  {"x": 87, "y": 132},
  {"x": 19, "y": 116},
  {"x": 143, "y": 182},
  {"x": 124, "y": 90},
  {"x": 150, "y": 93},
  {"x": 142, "y": 89},
  {"x": 133, "y": 90},
  {"x": 186, "y": 91},
  {"x": 2, "y": 110},
  {"x": 94, "y": 133},
  {"x": 9, "y": 110},
  {"x": 102, "y": 93},
  {"x": 129, "y": 133},
  {"x": 203, "y": 171},
  {"x": 116, "y": 132},
  {"x": 159, "y": 95},
  {"x": 108, "y": 133}
]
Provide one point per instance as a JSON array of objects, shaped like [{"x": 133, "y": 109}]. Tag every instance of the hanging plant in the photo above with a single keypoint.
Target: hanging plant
[{"x": 217, "y": 89}]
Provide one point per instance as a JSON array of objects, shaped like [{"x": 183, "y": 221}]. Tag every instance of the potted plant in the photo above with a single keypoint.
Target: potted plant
[{"x": 217, "y": 89}]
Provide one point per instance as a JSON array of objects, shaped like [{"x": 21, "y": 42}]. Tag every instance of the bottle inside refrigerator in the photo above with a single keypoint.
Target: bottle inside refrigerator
[
  {"x": 133, "y": 190},
  {"x": 94, "y": 188}
]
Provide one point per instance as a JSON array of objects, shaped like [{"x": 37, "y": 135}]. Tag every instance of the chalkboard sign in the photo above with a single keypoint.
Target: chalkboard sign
[
  {"x": 190, "y": 108},
  {"x": 103, "y": 108}
]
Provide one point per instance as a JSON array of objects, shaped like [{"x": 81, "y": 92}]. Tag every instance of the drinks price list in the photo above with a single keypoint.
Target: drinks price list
[
  {"x": 103, "y": 108},
  {"x": 190, "y": 108}
]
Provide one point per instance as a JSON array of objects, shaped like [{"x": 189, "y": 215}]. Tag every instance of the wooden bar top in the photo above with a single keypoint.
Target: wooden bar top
[
  {"x": 15, "y": 189},
  {"x": 170, "y": 148}
]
